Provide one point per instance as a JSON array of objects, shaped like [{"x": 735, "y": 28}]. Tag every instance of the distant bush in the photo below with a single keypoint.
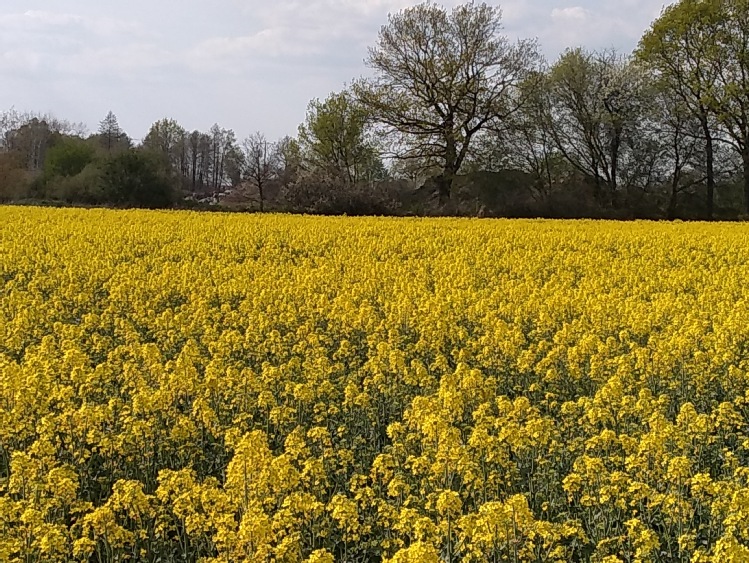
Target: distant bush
[
  {"x": 137, "y": 179},
  {"x": 68, "y": 157}
]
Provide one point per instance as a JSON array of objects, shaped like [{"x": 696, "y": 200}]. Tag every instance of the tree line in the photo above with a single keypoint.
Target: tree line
[{"x": 455, "y": 119}]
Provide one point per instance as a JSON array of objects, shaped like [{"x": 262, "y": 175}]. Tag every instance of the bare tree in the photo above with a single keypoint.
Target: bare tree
[{"x": 261, "y": 163}]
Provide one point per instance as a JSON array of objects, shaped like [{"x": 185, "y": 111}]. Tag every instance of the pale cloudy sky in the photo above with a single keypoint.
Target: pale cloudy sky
[{"x": 247, "y": 64}]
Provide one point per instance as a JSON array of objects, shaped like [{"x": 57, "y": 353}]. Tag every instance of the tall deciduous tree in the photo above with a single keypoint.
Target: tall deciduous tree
[
  {"x": 527, "y": 142},
  {"x": 334, "y": 140},
  {"x": 440, "y": 78},
  {"x": 32, "y": 140},
  {"x": 680, "y": 48},
  {"x": 222, "y": 150},
  {"x": 169, "y": 138},
  {"x": 198, "y": 149},
  {"x": 729, "y": 99},
  {"x": 679, "y": 132},
  {"x": 598, "y": 100},
  {"x": 289, "y": 160}
]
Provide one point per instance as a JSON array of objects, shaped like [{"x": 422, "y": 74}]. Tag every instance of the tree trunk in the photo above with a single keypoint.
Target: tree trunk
[
  {"x": 444, "y": 184},
  {"x": 445, "y": 179},
  {"x": 262, "y": 198},
  {"x": 710, "y": 163},
  {"x": 615, "y": 144},
  {"x": 194, "y": 170},
  {"x": 597, "y": 189},
  {"x": 671, "y": 212},
  {"x": 675, "y": 179},
  {"x": 745, "y": 158}
]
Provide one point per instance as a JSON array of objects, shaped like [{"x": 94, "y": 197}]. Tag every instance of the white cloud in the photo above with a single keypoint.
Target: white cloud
[
  {"x": 130, "y": 59},
  {"x": 20, "y": 60},
  {"x": 42, "y": 20},
  {"x": 575, "y": 13},
  {"x": 275, "y": 43},
  {"x": 38, "y": 19}
]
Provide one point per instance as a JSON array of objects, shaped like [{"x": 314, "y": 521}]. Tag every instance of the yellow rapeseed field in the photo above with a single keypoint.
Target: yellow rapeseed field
[{"x": 230, "y": 388}]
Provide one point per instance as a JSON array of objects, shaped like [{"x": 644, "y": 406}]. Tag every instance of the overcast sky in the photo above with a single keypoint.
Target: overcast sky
[{"x": 246, "y": 64}]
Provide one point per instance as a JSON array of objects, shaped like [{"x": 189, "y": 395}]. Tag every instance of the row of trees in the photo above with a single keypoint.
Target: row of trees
[
  {"x": 456, "y": 118},
  {"x": 44, "y": 158}
]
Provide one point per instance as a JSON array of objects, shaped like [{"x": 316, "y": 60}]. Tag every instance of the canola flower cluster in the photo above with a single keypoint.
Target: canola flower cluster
[{"x": 227, "y": 388}]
